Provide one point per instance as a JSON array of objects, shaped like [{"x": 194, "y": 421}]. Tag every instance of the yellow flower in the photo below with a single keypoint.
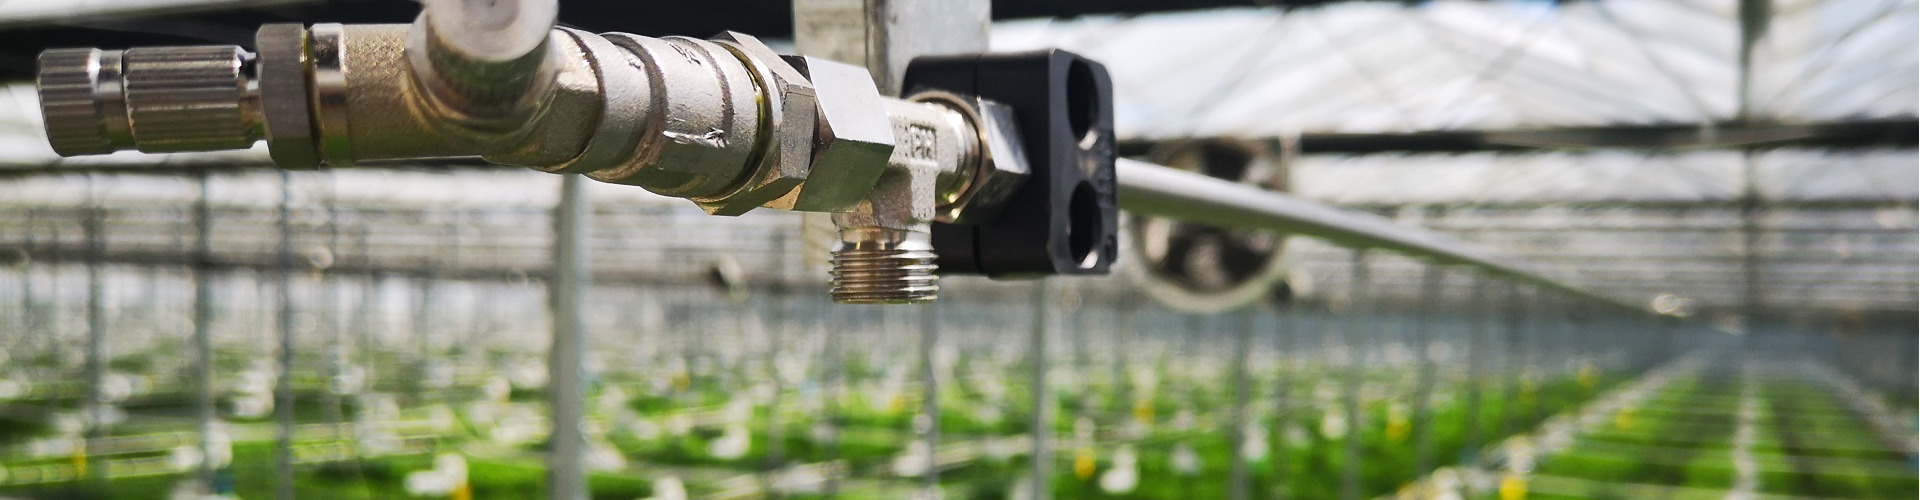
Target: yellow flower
[
  {"x": 1513, "y": 487},
  {"x": 1083, "y": 463}
]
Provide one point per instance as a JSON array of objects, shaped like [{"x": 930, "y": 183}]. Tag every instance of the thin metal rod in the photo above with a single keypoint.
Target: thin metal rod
[
  {"x": 1237, "y": 486},
  {"x": 1356, "y": 365},
  {"x": 1424, "y": 377},
  {"x": 97, "y": 355},
  {"x": 566, "y": 474},
  {"x": 930, "y": 395},
  {"x": 1476, "y": 369},
  {"x": 203, "y": 330},
  {"x": 1286, "y": 331},
  {"x": 835, "y": 375},
  {"x": 780, "y": 338},
  {"x": 283, "y": 386},
  {"x": 1041, "y": 428},
  {"x": 1516, "y": 381},
  {"x": 1150, "y": 189}
]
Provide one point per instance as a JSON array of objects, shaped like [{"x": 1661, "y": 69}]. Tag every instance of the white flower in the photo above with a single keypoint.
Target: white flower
[
  {"x": 1186, "y": 462},
  {"x": 912, "y": 462},
  {"x": 669, "y": 488},
  {"x": 1333, "y": 424},
  {"x": 733, "y": 443},
  {"x": 1125, "y": 474}
]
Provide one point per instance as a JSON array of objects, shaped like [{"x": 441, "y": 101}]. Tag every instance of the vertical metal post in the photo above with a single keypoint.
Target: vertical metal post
[
  {"x": 283, "y": 384},
  {"x": 425, "y": 329},
  {"x": 1755, "y": 17},
  {"x": 930, "y": 394},
  {"x": 1287, "y": 332},
  {"x": 781, "y": 334},
  {"x": 372, "y": 296},
  {"x": 1124, "y": 336},
  {"x": 1476, "y": 368},
  {"x": 1516, "y": 385},
  {"x": 566, "y": 393},
  {"x": 1429, "y": 313},
  {"x": 49, "y": 317},
  {"x": 203, "y": 328},
  {"x": 885, "y": 35},
  {"x": 29, "y": 308},
  {"x": 835, "y": 387},
  {"x": 1237, "y": 487},
  {"x": 329, "y": 300},
  {"x": 1041, "y": 465},
  {"x": 97, "y": 355},
  {"x": 1355, "y": 371}
]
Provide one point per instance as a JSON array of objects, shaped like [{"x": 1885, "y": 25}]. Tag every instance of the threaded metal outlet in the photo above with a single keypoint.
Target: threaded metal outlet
[{"x": 884, "y": 266}]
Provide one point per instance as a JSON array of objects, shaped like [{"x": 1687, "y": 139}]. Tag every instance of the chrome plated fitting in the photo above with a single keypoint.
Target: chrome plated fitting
[
  {"x": 159, "y": 99},
  {"x": 726, "y": 123}
]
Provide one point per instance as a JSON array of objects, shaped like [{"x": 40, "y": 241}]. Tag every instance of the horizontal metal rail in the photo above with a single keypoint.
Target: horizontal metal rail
[{"x": 1149, "y": 189}]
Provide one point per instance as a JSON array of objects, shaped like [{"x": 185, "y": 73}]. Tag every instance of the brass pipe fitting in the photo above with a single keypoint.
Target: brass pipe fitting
[{"x": 726, "y": 123}]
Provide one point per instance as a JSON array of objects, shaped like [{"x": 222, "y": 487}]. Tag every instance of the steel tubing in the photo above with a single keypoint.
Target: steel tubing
[{"x": 1149, "y": 189}]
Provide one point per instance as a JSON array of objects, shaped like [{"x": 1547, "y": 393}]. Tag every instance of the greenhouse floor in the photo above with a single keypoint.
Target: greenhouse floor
[
  {"x": 1754, "y": 429},
  {"x": 1701, "y": 427}
]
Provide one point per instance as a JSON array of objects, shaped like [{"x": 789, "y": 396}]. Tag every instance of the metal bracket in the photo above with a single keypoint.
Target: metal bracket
[{"x": 1065, "y": 220}]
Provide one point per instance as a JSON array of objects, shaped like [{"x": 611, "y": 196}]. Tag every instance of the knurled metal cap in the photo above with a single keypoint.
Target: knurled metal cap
[
  {"x": 81, "y": 103},
  {"x": 189, "y": 98},
  {"x": 161, "y": 99}
]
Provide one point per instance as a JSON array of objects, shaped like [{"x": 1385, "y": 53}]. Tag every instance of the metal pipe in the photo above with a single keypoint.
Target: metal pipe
[
  {"x": 1476, "y": 368},
  {"x": 97, "y": 355},
  {"x": 1149, "y": 189},
  {"x": 1286, "y": 330},
  {"x": 203, "y": 331},
  {"x": 283, "y": 385},
  {"x": 1041, "y": 428},
  {"x": 1426, "y": 371},
  {"x": 930, "y": 397},
  {"x": 1515, "y": 380},
  {"x": 1353, "y": 368},
  {"x": 1237, "y": 487},
  {"x": 566, "y": 472}
]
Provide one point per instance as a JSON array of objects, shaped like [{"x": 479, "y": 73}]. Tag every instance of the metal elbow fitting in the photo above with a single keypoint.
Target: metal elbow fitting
[
  {"x": 726, "y": 123},
  {"x": 885, "y": 253}
]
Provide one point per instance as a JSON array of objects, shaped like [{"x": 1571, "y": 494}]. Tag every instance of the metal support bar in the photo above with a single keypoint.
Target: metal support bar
[
  {"x": 203, "y": 374},
  {"x": 1476, "y": 370},
  {"x": 97, "y": 354},
  {"x": 1041, "y": 428},
  {"x": 566, "y": 470},
  {"x": 930, "y": 397},
  {"x": 1355, "y": 366},
  {"x": 1427, "y": 370},
  {"x": 1287, "y": 329},
  {"x": 1237, "y": 475},
  {"x": 283, "y": 385},
  {"x": 1149, "y": 189},
  {"x": 1864, "y": 133}
]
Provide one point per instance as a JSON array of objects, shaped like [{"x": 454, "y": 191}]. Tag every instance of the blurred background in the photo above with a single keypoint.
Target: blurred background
[{"x": 1734, "y": 182}]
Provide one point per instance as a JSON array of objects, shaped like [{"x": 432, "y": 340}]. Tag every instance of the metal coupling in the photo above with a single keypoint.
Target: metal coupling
[
  {"x": 154, "y": 99},
  {"x": 726, "y": 122}
]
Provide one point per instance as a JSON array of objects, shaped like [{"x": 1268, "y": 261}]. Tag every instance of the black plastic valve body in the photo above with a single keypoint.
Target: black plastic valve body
[{"x": 1065, "y": 219}]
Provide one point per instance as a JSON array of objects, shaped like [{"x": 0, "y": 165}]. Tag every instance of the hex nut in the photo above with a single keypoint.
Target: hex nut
[
  {"x": 281, "y": 69},
  {"x": 1000, "y": 169},
  {"x": 786, "y": 160},
  {"x": 852, "y": 140}
]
